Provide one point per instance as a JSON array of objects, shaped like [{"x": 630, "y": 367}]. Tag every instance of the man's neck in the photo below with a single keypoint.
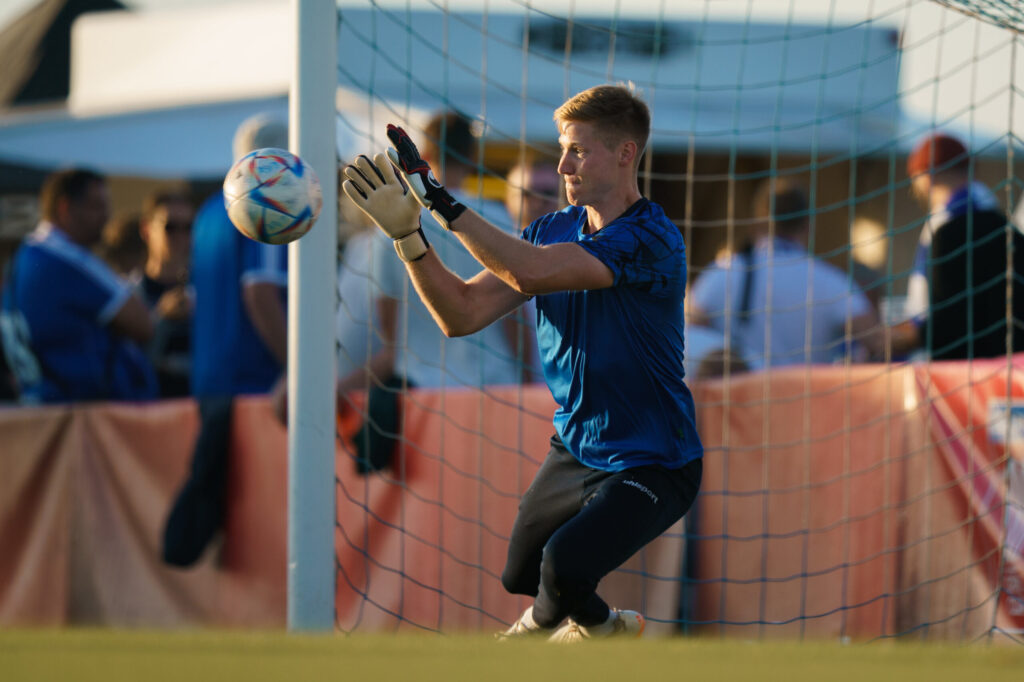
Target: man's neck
[
  {"x": 71, "y": 235},
  {"x": 165, "y": 272},
  {"x": 600, "y": 215}
]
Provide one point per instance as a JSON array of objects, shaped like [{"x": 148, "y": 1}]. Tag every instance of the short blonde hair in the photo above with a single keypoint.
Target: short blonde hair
[{"x": 616, "y": 111}]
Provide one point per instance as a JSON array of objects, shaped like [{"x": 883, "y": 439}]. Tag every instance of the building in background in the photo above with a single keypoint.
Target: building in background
[{"x": 153, "y": 94}]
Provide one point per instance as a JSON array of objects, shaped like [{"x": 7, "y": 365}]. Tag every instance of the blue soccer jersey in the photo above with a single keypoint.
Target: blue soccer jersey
[
  {"x": 228, "y": 356},
  {"x": 613, "y": 357},
  {"x": 55, "y": 319}
]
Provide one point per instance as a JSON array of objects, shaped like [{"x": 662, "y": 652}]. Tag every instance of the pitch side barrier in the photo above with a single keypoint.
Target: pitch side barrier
[{"x": 857, "y": 502}]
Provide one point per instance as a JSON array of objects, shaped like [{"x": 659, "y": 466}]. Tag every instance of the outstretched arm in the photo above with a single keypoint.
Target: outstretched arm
[
  {"x": 527, "y": 268},
  {"x": 461, "y": 307}
]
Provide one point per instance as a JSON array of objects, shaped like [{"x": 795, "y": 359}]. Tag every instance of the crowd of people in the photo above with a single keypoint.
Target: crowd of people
[
  {"x": 155, "y": 303},
  {"x": 171, "y": 302}
]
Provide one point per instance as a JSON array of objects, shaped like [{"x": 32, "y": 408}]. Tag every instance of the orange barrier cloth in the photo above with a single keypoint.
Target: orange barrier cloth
[
  {"x": 84, "y": 493},
  {"x": 963, "y": 574},
  {"x": 35, "y": 516},
  {"x": 857, "y": 502},
  {"x": 423, "y": 546},
  {"x": 802, "y": 478}
]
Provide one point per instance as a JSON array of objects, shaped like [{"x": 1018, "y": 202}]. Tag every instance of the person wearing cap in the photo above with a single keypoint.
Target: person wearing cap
[
  {"x": 956, "y": 295},
  {"x": 239, "y": 345},
  {"x": 533, "y": 188}
]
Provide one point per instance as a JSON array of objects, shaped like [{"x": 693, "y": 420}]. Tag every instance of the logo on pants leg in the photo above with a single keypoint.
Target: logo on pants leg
[{"x": 642, "y": 488}]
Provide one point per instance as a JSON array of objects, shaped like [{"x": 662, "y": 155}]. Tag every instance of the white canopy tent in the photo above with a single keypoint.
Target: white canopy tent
[
  {"x": 188, "y": 141},
  {"x": 160, "y": 92}
]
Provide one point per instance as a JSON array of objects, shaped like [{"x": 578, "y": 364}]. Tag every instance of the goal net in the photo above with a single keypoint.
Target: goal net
[{"x": 850, "y": 490}]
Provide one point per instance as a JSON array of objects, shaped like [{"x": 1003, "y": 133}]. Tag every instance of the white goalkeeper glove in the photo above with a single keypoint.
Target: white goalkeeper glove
[
  {"x": 429, "y": 192},
  {"x": 374, "y": 188}
]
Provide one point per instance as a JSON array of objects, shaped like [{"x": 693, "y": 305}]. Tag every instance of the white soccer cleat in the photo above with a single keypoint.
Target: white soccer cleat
[
  {"x": 626, "y": 624},
  {"x": 523, "y": 627}
]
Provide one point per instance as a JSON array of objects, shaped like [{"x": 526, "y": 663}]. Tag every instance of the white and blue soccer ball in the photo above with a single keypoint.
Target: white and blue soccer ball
[{"x": 272, "y": 196}]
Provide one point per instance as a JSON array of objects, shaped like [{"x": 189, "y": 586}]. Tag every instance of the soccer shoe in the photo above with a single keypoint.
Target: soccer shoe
[
  {"x": 626, "y": 624},
  {"x": 523, "y": 627}
]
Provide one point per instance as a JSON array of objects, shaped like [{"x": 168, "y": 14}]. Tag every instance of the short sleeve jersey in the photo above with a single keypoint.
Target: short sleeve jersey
[
  {"x": 228, "y": 356},
  {"x": 424, "y": 355},
  {"x": 57, "y": 308},
  {"x": 613, "y": 358}
]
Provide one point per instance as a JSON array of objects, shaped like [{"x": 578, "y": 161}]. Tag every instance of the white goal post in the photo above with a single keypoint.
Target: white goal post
[{"x": 311, "y": 309}]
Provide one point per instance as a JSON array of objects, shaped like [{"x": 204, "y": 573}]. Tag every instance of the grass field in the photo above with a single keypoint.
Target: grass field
[{"x": 108, "y": 655}]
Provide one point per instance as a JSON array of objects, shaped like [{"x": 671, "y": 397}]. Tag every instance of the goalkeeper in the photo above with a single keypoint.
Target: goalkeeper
[{"x": 608, "y": 274}]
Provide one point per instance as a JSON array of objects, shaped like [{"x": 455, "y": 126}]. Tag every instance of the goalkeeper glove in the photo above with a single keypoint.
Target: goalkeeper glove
[
  {"x": 428, "y": 191},
  {"x": 374, "y": 188}
]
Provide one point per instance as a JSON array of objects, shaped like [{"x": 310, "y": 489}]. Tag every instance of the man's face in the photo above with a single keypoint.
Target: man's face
[
  {"x": 590, "y": 169},
  {"x": 85, "y": 217},
  {"x": 920, "y": 189},
  {"x": 168, "y": 233},
  {"x": 533, "y": 194}
]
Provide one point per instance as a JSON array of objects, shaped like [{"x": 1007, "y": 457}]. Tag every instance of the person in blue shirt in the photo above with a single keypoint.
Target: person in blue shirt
[
  {"x": 239, "y": 328},
  {"x": 608, "y": 274},
  {"x": 239, "y": 346},
  {"x": 72, "y": 329}
]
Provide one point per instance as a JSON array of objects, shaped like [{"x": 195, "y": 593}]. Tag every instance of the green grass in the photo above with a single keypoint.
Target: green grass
[{"x": 192, "y": 656}]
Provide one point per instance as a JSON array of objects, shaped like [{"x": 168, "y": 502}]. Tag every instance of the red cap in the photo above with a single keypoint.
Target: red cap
[{"x": 937, "y": 153}]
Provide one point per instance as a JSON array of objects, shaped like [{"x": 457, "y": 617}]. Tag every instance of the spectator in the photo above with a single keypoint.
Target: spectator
[
  {"x": 706, "y": 353},
  {"x": 365, "y": 328},
  {"x": 73, "y": 329},
  {"x": 533, "y": 189},
  {"x": 122, "y": 248},
  {"x": 480, "y": 359},
  {"x": 776, "y": 303},
  {"x": 238, "y": 346},
  {"x": 166, "y": 230},
  {"x": 956, "y": 297},
  {"x": 484, "y": 358},
  {"x": 358, "y": 330}
]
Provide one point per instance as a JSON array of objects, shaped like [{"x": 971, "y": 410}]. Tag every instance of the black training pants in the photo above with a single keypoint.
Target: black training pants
[{"x": 577, "y": 524}]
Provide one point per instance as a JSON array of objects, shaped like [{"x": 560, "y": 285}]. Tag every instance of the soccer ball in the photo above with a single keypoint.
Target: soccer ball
[{"x": 272, "y": 196}]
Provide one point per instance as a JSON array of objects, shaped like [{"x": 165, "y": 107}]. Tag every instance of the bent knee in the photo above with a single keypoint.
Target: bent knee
[{"x": 519, "y": 582}]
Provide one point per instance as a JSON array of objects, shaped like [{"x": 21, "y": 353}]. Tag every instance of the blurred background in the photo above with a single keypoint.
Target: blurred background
[{"x": 870, "y": 494}]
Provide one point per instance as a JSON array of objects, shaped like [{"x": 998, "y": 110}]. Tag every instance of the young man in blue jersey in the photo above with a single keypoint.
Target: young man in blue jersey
[{"x": 608, "y": 274}]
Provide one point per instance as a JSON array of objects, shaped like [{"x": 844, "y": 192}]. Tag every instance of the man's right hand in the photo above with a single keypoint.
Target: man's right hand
[{"x": 374, "y": 187}]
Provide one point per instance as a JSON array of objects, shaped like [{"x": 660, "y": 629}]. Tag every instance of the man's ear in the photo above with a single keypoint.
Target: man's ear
[
  {"x": 627, "y": 153},
  {"x": 144, "y": 231},
  {"x": 62, "y": 210}
]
